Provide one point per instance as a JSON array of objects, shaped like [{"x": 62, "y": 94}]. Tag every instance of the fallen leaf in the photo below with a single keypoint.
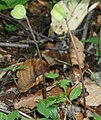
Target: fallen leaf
[
  {"x": 53, "y": 57},
  {"x": 94, "y": 97},
  {"x": 31, "y": 100},
  {"x": 78, "y": 116},
  {"x": 50, "y": 56},
  {"x": 80, "y": 52},
  {"x": 75, "y": 13},
  {"x": 32, "y": 75}
]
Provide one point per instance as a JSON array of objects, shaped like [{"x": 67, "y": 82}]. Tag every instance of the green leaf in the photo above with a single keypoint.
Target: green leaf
[
  {"x": 96, "y": 116},
  {"x": 3, "y": 116},
  {"x": 7, "y": 4},
  {"x": 18, "y": 12},
  {"x": 10, "y": 28},
  {"x": 23, "y": 118},
  {"x": 13, "y": 115},
  {"x": 58, "y": 13},
  {"x": 42, "y": 109},
  {"x": 21, "y": 67},
  {"x": 8, "y": 68},
  {"x": 55, "y": 83},
  {"x": 61, "y": 98},
  {"x": 52, "y": 75},
  {"x": 63, "y": 84},
  {"x": 75, "y": 93},
  {"x": 94, "y": 40},
  {"x": 43, "y": 119},
  {"x": 50, "y": 101},
  {"x": 53, "y": 112}
]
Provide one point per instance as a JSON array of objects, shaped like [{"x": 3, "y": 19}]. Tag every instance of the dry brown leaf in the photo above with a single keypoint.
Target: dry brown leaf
[
  {"x": 50, "y": 56},
  {"x": 31, "y": 100},
  {"x": 80, "y": 49},
  {"x": 75, "y": 75},
  {"x": 94, "y": 97},
  {"x": 53, "y": 56},
  {"x": 30, "y": 76},
  {"x": 78, "y": 116}
]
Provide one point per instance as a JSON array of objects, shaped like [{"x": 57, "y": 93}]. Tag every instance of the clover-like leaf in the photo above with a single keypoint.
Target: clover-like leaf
[
  {"x": 58, "y": 13},
  {"x": 18, "y": 12}
]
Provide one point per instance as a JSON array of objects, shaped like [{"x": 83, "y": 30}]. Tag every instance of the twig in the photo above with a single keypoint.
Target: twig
[
  {"x": 17, "y": 45},
  {"x": 100, "y": 48},
  {"x": 44, "y": 82},
  {"x": 22, "y": 27},
  {"x": 86, "y": 26},
  {"x": 82, "y": 80}
]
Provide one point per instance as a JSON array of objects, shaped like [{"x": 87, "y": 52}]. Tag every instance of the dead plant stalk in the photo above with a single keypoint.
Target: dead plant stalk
[
  {"x": 81, "y": 74},
  {"x": 39, "y": 53}
]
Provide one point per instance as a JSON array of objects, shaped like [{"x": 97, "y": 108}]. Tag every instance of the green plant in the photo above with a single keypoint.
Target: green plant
[
  {"x": 10, "y": 28},
  {"x": 75, "y": 93},
  {"x": 19, "y": 12},
  {"x": 52, "y": 75},
  {"x": 8, "y": 4},
  {"x": 48, "y": 107},
  {"x": 11, "y": 116},
  {"x": 58, "y": 14},
  {"x": 62, "y": 83},
  {"x": 94, "y": 40},
  {"x": 14, "y": 69},
  {"x": 96, "y": 116}
]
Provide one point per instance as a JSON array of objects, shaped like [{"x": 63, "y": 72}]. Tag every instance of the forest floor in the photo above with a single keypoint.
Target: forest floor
[{"x": 25, "y": 78}]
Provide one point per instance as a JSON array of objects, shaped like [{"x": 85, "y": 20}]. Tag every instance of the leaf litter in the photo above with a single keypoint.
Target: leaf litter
[{"x": 29, "y": 81}]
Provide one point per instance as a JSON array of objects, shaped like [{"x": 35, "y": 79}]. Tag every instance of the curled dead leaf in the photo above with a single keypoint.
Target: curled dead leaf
[
  {"x": 32, "y": 75},
  {"x": 80, "y": 52},
  {"x": 54, "y": 57}
]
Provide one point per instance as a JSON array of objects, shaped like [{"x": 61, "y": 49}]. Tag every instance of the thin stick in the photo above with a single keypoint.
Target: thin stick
[
  {"x": 82, "y": 80},
  {"x": 44, "y": 82},
  {"x": 16, "y": 45}
]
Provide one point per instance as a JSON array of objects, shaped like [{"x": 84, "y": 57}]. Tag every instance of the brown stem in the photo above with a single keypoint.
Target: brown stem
[
  {"x": 38, "y": 50},
  {"x": 81, "y": 74}
]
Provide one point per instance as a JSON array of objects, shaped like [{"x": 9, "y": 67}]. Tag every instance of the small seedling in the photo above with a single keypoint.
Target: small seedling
[
  {"x": 19, "y": 12},
  {"x": 14, "y": 69},
  {"x": 58, "y": 13},
  {"x": 52, "y": 75},
  {"x": 62, "y": 83}
]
